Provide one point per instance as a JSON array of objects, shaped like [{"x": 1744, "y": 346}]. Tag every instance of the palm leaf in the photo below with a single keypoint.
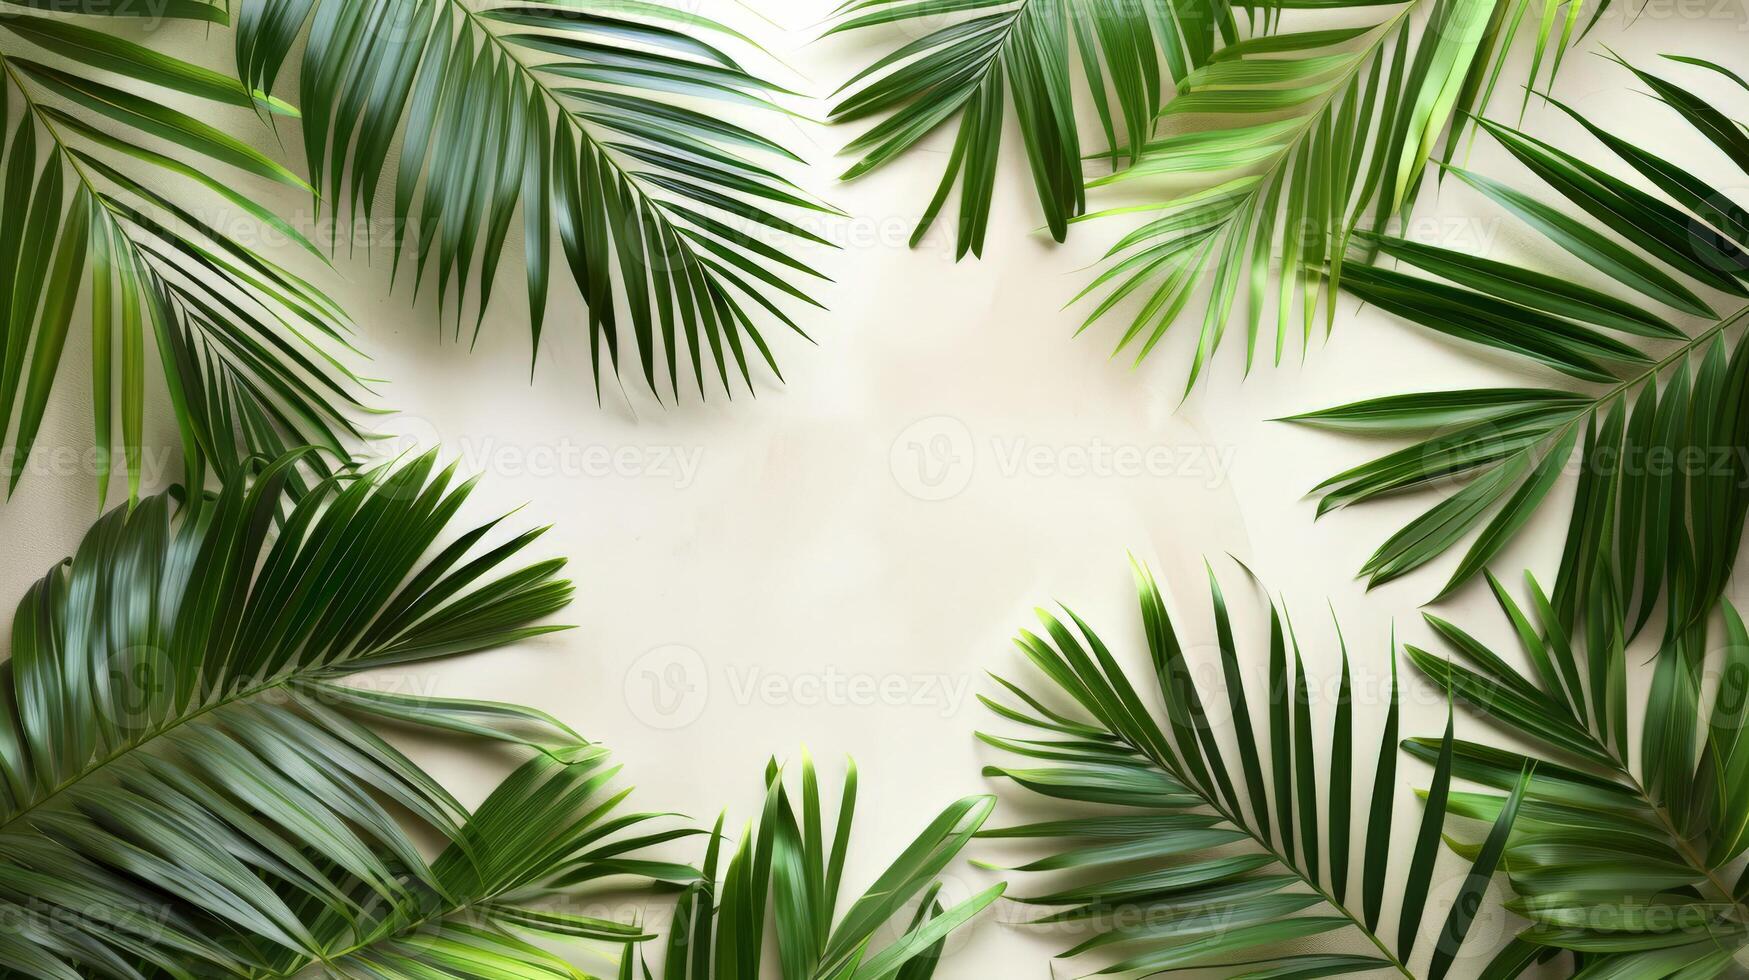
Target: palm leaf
[
  {"x": 787, "y": 871},
  {"x": 611, "y": 123},
  {"x": 1278, "y": 131},
  {"x": 176, "y": 749},
  {"x": 1291, "y": 143},
  {"x": 1181, "y": 862},
  {"x": 969, "y": 56},
  {"x": 494, "y": 903},
  {"x": 1619, "y": 861},
  {"x": 1654, "y": 408},
  {"x": 250, "y": 352}
]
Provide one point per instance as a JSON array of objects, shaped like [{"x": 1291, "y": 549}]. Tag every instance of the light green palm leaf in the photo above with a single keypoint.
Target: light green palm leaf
[
  {"x": 971, "y": 58},
  {"x": 254, "y": 358},
  {"x": 1291, "y": 142}
]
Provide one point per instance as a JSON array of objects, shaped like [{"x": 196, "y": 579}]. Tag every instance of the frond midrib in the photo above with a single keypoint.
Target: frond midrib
[
  {"x": 658, "y": 205},
  {"x": 118, "y": 220},
  {"x": 128, "y": 750},
  {"x": 330, "y": 957},
  {"x": 1267, "y": 845},
  {"x": 1650, "y": 375},
  {"x": 48, "y": 125},
  {"x": 1631, "y": 783}
]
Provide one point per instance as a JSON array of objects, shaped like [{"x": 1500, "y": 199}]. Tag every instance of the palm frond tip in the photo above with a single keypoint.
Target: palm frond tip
[{"x": 786, "y": 872}]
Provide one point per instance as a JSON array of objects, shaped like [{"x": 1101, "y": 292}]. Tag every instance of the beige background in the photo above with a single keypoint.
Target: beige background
[{"x": 836, "y": 563}]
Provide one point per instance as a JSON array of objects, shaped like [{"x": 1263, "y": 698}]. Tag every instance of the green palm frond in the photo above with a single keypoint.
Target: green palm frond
[
  {"x": 1185, "y": 861},
  {"x": 1655, "y": 408},
  {"x": 1625, "y": 866},
  {"x": 186, "y": 784},
  {"x": 788, "y": 869},
  {"x": 497, "y": 901},
  {"x": 250, "y": 353},
  {"x": 610, "y": 122},
  {"x": 970, "y": 58},
  {"x": 1291, "y": 142}
]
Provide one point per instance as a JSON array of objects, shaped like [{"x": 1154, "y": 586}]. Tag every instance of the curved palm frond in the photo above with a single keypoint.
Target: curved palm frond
[
  {"x": 250, "y": 353},
  {"x": 1180, "y": 864},
  {"x": 185, "y": 784},
  {"x": 1656, "y": 408},
  {"x": 1292, "y": 142},
  {"x": 1278, "y": 131},
  {"x": 610, "y": 122},
  {"x": 1622, "y": 865},
  {"x": 497, "y": 901},
  {"x": 789, "y": 869},
  {"x": 970, "y": 56}
]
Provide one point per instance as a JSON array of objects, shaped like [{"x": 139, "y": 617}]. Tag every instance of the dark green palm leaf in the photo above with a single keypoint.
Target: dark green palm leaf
[
  {"x": 1654, "y": 408},
  {"x": 186, "y": 784},
  {"x": 1180, "y": 865},
  {"x": 786, "y": 873},
  {"x": 609, "y": 122},
  {"x": 1621, "y": 862},
  {"x": 972, "y": 56},
  {"x": 250, "y": 352}
]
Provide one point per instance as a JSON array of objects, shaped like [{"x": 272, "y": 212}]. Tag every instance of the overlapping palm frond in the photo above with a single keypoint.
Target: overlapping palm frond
[
  {"x": 609, "y": 122},
  {"x": 251, "y": 354},
  {"x": 1657, "y": 408},
  {"x": 500, "y": 900},
  {"x": 186, "y": 789},
  {"x": 1186, "y": 861},
  {"x": 1626, "y": 866},
  {"x": 788, "y": 870},
  {"x": 968, "y": 59},
  {"x": 1292, "y": 142}
]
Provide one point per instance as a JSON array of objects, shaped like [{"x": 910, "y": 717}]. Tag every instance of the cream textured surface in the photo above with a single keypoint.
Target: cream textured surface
[{"x": 836, "y": 563}]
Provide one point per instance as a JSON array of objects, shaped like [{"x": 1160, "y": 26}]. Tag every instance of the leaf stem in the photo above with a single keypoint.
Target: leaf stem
[
  {"x": 1308, "y": 879},
  {"x": 61, "y": 145},
  {"x": 632, "y": 180},
  {"x": 138, "y": 744},
  {"x": 1694, "y": 859},
  {"x": 327, "y": 959},
  {"x": 1682, "y": 351},
  {"x": 1590, "y": 407}
]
